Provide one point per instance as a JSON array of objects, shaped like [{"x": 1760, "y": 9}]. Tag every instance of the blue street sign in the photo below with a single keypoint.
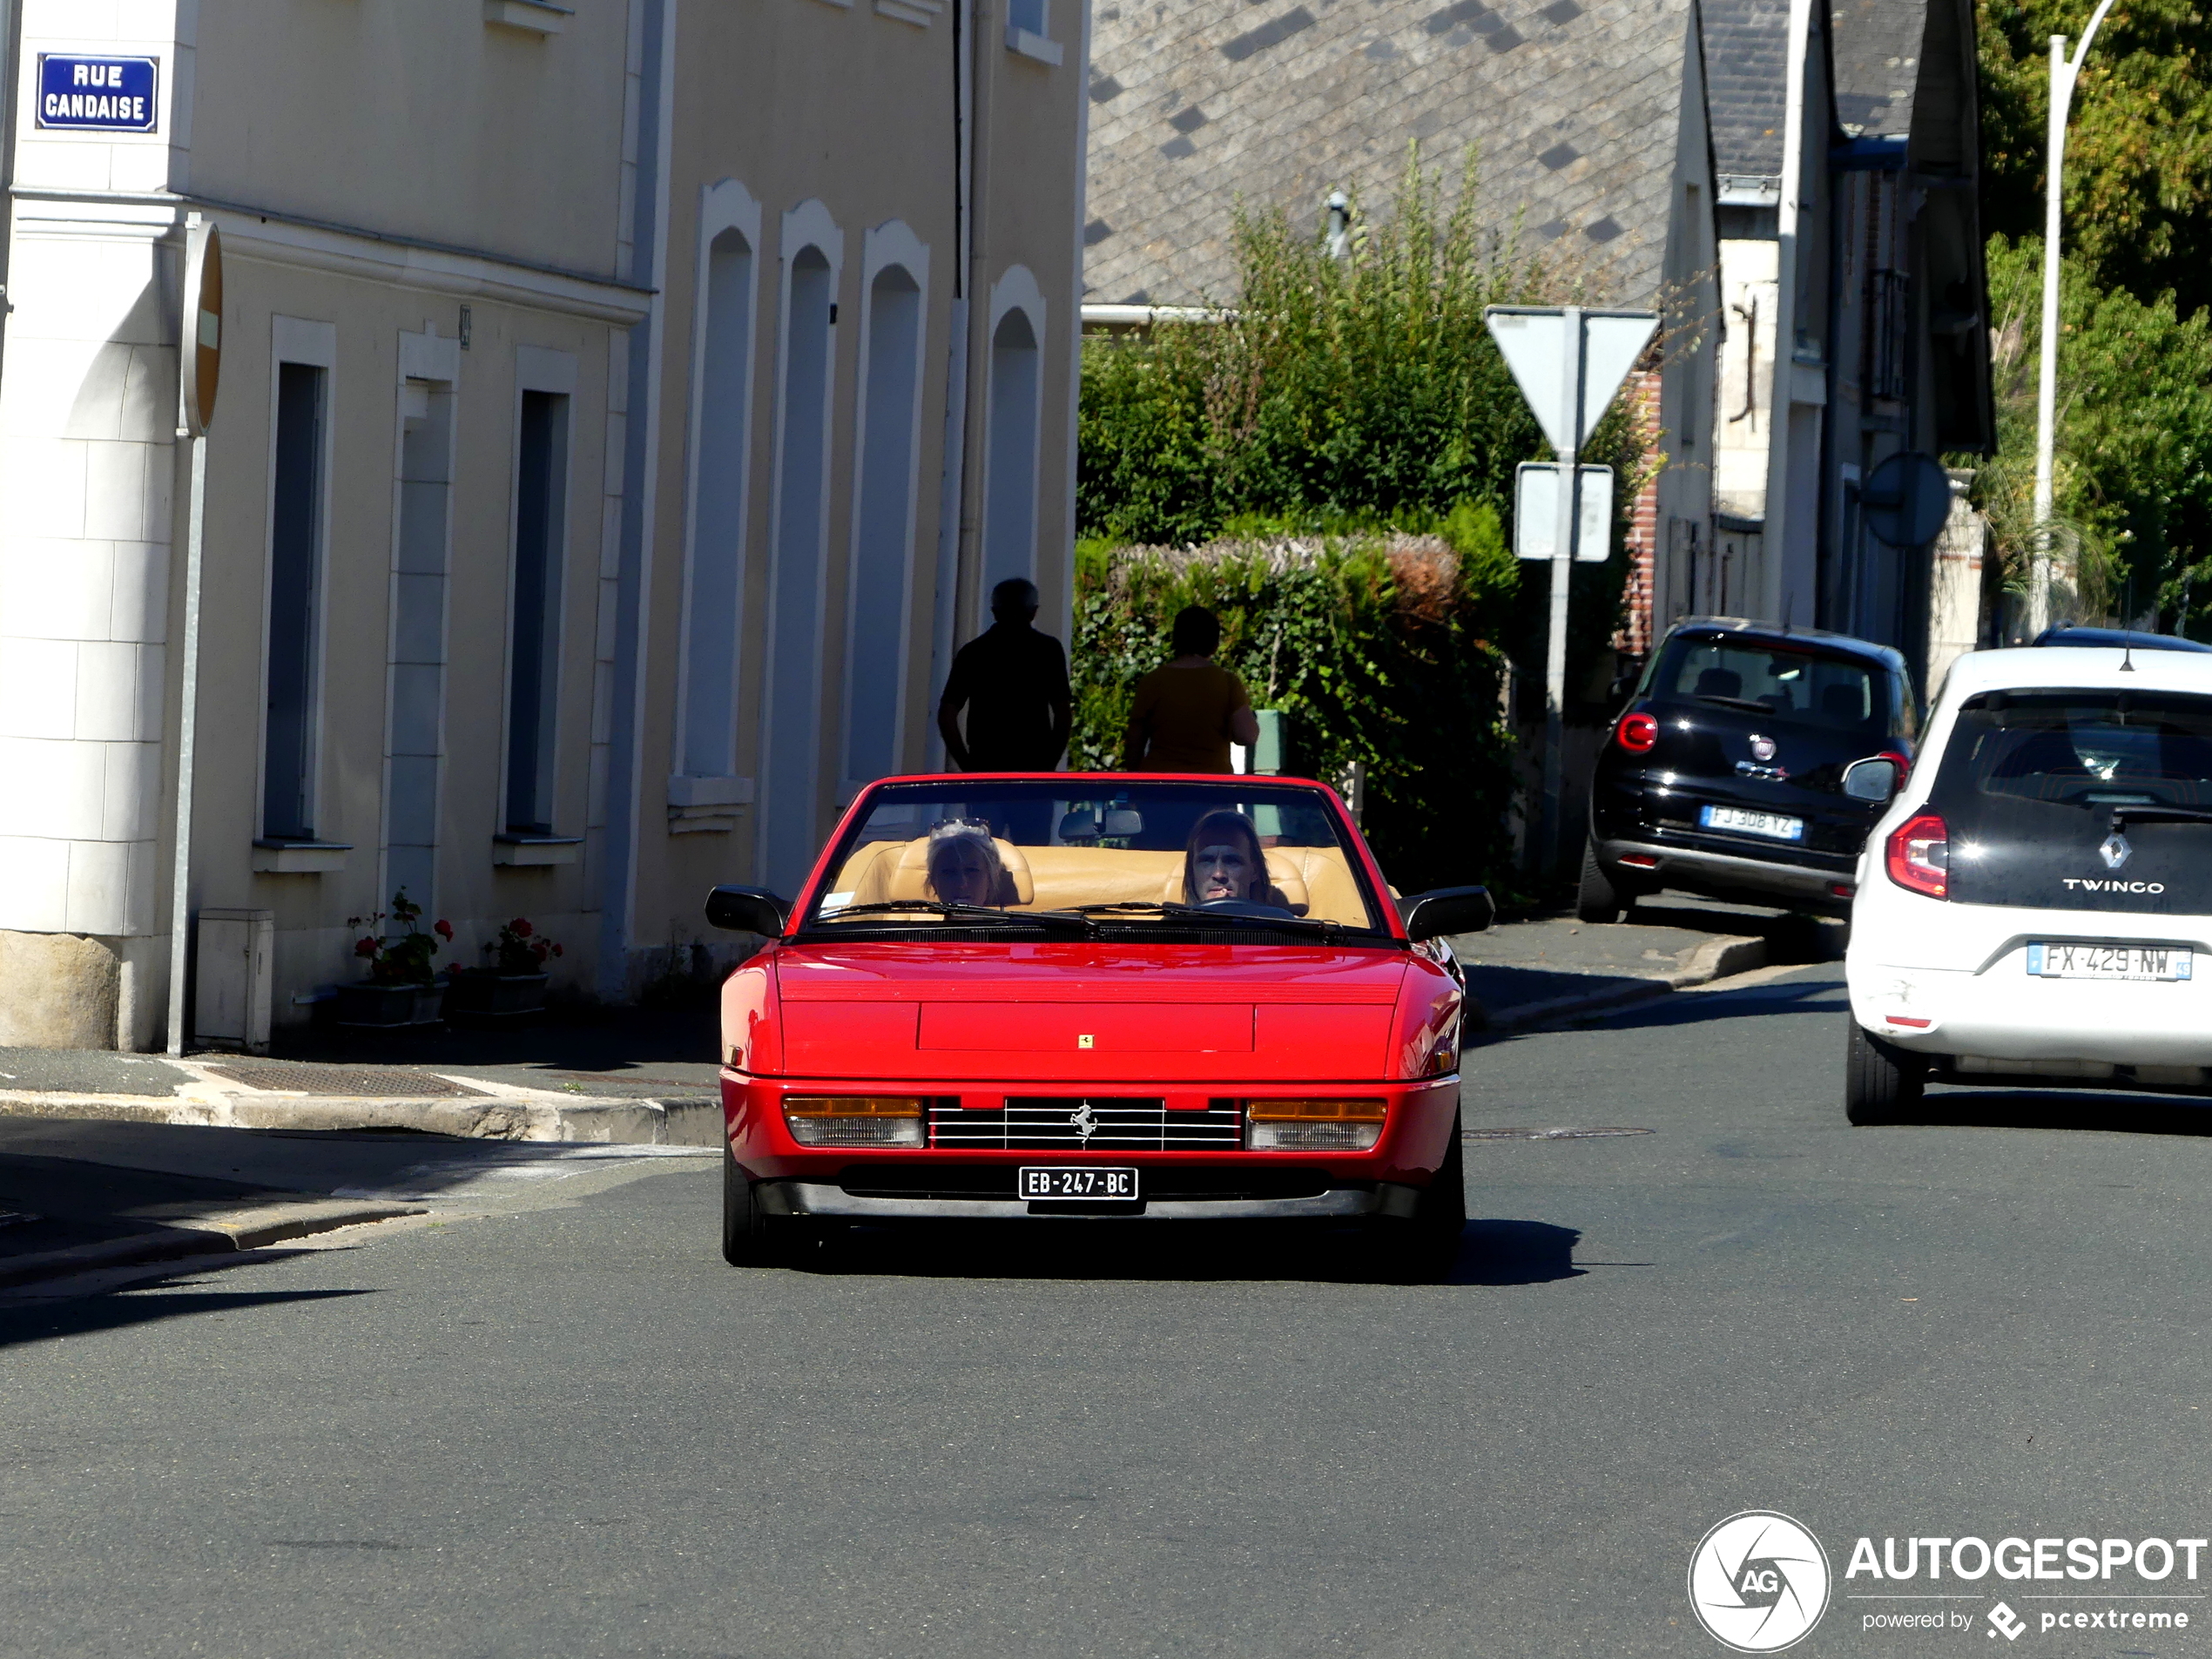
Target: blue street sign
[{"x": 98, "y": 94}]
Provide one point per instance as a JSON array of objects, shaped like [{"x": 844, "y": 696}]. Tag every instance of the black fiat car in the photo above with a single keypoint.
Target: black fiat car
[{"x": 1725, "y": 774}]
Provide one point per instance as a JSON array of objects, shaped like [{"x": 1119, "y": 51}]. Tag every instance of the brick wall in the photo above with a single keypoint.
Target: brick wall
[{"x": 1635, "y": 634}]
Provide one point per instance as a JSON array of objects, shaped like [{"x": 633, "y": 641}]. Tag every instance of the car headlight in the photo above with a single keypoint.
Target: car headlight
[
  {"x": 1312, "y": 1125},
  {"x": 854, "y": 1120}
]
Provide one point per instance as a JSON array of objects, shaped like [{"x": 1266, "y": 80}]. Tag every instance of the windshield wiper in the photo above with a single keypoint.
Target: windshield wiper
[
  {"x": 1211, "y": 917},
  {"x": 2122, "y": 816},
  {"x": 942, "y": 911},
  {"x": 1752, "y": 704}
]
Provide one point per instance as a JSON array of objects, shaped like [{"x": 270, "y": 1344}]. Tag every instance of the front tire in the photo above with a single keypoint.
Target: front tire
[
  {"x": 1422, "y": 1247},
  {"x": 1597, "y": 899},
  {"x": 1881, "y": 1080},
  {"x": 749, "y": 1236}
]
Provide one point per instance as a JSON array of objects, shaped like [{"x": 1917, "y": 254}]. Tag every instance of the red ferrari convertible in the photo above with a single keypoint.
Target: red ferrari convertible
[{"x": 1099, "y": 995}]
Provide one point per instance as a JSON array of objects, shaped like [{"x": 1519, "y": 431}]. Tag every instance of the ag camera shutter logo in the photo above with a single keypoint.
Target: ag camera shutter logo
[{"x": 1758, "y": 1581}]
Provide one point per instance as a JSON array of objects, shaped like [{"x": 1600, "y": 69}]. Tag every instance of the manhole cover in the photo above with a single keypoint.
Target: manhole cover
[
  {"x": 1544, "y": 1134},
  {"x": 361, "y": 1081}
]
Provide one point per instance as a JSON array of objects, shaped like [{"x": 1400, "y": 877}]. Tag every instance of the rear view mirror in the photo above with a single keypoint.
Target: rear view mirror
[
  {"x": 1446, "y": 910},
  {"x": 747, "y": 910},
  {"x": 1875, "y": 779}
]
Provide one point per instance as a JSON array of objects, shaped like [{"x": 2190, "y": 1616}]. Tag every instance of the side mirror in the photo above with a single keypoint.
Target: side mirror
[
  {"x": 749, "y": 910},
  {"x": 1446, "y": 910},
  {"x": 1874, "y": 780}
]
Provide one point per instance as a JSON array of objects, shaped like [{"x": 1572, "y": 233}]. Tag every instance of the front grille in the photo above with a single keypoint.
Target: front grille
[{"x": 1058, "y": 1122}]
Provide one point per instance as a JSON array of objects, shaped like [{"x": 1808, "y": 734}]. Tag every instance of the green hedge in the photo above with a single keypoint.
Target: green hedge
[{"x": 1374, "y": 648}]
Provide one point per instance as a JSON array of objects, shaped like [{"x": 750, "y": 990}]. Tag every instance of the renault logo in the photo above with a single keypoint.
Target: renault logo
[{"x": 2115, "y": 851}]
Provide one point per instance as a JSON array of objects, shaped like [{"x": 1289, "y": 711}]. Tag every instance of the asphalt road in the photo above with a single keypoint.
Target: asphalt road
[{"x": 568, "y": 1429}]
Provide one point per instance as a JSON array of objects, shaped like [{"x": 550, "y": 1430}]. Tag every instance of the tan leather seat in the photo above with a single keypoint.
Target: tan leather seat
[{"x": 908, "y": 878}]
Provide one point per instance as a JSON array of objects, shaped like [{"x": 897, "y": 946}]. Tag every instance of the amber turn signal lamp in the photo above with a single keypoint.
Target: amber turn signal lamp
[
  {"x": 1312, "y": 1125},
  {"x": 854, "y": 1120}
]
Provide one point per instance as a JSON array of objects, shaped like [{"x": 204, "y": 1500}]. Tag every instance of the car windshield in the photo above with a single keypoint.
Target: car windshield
[
  {"x": 2090, "y": 749},
  {"x": 1772, "y": 679},
  {"x": 1068, "y": 852}
]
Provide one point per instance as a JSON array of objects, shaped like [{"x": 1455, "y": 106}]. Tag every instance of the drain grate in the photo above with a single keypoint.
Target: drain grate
[
  {"x": 353, "y": 1081},
  {"x": 1544, "y": 1134}
]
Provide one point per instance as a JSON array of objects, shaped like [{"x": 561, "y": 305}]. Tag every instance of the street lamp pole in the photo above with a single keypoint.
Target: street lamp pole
[{"x": 2064, "y": 73}]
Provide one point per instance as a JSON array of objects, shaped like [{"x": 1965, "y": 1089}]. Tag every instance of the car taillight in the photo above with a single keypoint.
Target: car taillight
[
  {"x": 854, "y": 1120},
  {"x": 1636, "y": 734},
  {"x": 1920, "y": 855},
  {"x": 1312, "y": 1125}
]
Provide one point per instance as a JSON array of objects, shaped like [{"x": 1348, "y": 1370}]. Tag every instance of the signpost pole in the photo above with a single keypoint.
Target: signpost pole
[
  {"x": 1570, "y": 403},
  {"x": 199, "y": 359}
]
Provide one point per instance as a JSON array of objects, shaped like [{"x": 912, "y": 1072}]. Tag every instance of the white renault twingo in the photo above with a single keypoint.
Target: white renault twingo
[{"x": 2036, "y": 900}]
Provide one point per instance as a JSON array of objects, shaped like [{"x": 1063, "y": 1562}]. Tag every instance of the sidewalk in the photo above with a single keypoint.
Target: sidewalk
[
  {"x": 1526, "y": 974},
  {"x": 635, "y": 1076}
]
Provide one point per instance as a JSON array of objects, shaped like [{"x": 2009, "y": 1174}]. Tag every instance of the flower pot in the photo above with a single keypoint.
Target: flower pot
[
  {"x": 369, "y": 1003},
  {"x": 497, "y": 996}
]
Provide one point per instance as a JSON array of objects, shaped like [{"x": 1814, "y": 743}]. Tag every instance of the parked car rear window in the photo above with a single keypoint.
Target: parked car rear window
[
  {"x": 1802, "y": 684},
  {"x": 2092, "y": 749}
]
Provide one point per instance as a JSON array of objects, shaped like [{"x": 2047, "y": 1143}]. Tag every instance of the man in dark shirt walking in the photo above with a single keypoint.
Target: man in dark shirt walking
[{"x": 1012, "y": 681}]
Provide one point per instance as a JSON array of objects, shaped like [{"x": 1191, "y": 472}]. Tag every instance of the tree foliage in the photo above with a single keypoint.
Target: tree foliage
[
  {"x": 2138, "y": 191},
  {"x": 1331, "y": 392},
  {"x": 2133, "y": 476}
]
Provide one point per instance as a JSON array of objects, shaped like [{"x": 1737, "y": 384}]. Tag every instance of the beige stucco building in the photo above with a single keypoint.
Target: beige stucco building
[{"x": 622, "y": 409}]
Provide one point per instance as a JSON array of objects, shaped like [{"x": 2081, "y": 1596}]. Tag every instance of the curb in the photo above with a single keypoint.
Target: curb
[
  {"x": 223, "y": 1232},
  {"x": 1715, "y": 959},
  {"x": 652, "y": 1122}
]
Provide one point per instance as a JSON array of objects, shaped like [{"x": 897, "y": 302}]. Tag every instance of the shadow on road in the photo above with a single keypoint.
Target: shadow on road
[
  {"x": 87, "y": 1315},
  {"x": 1823, "y": 996},
  {"x": 1491, "y": 1252},
  {"x": 2062, "y": 1108},
  {"x": 1516, "y": 1252}
]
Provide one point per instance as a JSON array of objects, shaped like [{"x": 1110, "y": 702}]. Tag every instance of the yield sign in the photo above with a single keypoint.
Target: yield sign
[{"x": 1551, "y": 348}]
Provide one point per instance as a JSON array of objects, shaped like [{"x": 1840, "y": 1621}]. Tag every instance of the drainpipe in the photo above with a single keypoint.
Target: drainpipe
[
  {"x": 983, "y": 51},
  {"x": 953, "y": 467},
  {"x": 1790, "y": 213},
  {"x": 641, "y": 466}
]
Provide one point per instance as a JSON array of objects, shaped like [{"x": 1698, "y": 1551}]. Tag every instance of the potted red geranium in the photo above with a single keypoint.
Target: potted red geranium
[
  {"x": 513, "y": 980},
  {"x": 401, "y": 989}
]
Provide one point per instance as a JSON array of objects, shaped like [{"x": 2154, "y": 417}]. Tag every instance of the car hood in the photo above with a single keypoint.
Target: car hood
[{"x": 1074, "y": 1012}]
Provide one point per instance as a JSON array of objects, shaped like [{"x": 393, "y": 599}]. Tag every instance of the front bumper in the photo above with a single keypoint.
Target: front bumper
[
  {"x": 1700, "y": 870},
  {"x": 1213, "y": 1181},
  {"x": 836, "y": 1202}
]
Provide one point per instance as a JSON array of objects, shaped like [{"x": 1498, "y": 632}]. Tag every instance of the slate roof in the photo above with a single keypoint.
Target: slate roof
[
  {"x": 1574, "y": 105},
  {"x": 1747, "y": 54},
  {"x": 1876, "y": 47}
]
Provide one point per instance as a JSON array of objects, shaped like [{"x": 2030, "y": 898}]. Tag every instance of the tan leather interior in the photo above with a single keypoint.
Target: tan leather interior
[{"x": 1050, "y": 878}]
